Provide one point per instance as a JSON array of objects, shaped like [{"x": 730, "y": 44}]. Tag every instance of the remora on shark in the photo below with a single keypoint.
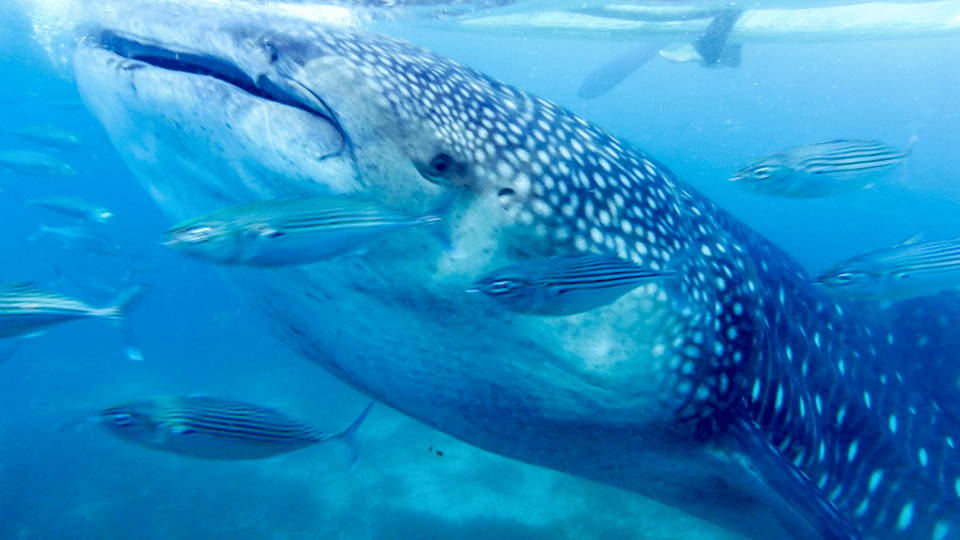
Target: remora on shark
[{"x": 737, "y": 392}]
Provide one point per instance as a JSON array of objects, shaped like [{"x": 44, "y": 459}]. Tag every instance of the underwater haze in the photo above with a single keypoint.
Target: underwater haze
[{"x": 62, "y": 476}]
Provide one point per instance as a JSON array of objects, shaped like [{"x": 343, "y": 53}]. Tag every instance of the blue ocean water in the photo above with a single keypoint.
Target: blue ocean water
[{"x": 63, "y": 478}]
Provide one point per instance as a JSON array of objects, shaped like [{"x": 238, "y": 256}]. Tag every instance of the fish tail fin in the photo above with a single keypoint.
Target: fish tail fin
[
  {"x": 9, "y": 348},
  {"x": 905, "y": 176},
  {"x": 441, "y": 210},
  {"x": 118, "y": 309},
  {"x": 127, "y": 300},
  {"x": 437, "y": 216},
  {"x": 348, "y": 435},
  {"x": 678, "y": 260},
  {"x": 59, "y": 279},
  {"x": 22, "y": 201},
  {"x": 76, "y": 422},
  {"x": 41, "y": 231},
  {"x": 913, "y": 138}
]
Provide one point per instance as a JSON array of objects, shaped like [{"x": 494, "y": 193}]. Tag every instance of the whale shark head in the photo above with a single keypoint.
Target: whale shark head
[{"x": 212, "y": 108}]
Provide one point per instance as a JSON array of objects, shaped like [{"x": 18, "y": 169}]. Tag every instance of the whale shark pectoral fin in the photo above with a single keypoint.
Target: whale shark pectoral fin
[{"x": 803, "y": 510}]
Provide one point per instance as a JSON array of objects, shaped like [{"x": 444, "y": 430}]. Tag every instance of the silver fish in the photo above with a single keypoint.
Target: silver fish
[
  {"x": 907, "y": 270},
  {"x": 46, "y": 135},
  {"x": 73, "y": 207},
  {"x": 80, "y": 238},
  {"x": 291, "y": 231},
  {"x": 821, "y": 169},
  {"x": 215, "y": 428},
  {"x": 34, "y": 163},
  {"x": 26, "y": 309},
  {"x": 565, "y": 285}
]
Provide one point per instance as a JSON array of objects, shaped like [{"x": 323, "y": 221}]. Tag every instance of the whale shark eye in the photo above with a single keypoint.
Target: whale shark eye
[
  {"x": 441, "y": 164},
  {"x": 443, "y": 169}
]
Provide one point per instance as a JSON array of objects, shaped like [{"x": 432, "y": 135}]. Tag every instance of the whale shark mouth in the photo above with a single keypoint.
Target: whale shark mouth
[{"x": 286, "y": 92}]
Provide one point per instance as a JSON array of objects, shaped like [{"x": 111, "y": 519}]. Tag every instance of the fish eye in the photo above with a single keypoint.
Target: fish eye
[
  {"x": 502, "y": 286},
  {"x": 121, "y": 419},
  {"x": 181, "y": 429},
  {"x": 197, "y": 234},
  {"x": 762, "y": 173},
  {"x": 267, "y": 232},
  {"x": 845, "y": 278}
]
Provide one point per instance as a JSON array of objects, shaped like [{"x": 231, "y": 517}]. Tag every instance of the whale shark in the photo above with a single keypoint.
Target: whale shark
[{"x": 737, "y": 392}]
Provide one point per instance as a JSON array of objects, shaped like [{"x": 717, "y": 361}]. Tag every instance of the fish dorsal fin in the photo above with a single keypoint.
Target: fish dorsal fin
[
  {"x": 803, "y": 510},
  {"x": 12, "y": 286},
  {"x": 914, "y": 239},
  {"x": 913, "y": 138}
]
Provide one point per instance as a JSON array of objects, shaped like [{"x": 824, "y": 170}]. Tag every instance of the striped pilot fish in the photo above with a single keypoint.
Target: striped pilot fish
[
  {"x": 907, "y": 270},
  {"x": 73, "y": 207},
  {"x": 79, "y": 237},
  {"x": 215, "y": 428},
  {"x": 26, "y": 309},
  {"x": 821, "y": 169},
  {"x": 283, "y": 232},
  {"x": 46, "y": 135},
  {"x": 34, "y": 163},
  {"x": 565, "y": 285}
]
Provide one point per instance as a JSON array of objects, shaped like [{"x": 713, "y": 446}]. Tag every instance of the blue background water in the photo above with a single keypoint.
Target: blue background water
[{"x": 63, "y": 478}]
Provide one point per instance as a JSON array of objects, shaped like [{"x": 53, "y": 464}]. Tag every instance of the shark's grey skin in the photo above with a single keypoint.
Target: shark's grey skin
[{"x": 737, "y": 392}]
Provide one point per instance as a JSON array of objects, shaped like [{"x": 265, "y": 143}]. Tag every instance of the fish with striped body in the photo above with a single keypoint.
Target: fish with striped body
[
  {"x": 740, "y": 393},
  {"x": 80, "y": 238},
  {"x": 73, "y": 207},
  {"x": 821, "y": 169},
  {"x": 907, "y": 270},
  {"x": 215, "y": 428},
  {"x": 291, "y": 231},
  {"x": 565, "y": 285},
  {"x": 26, "y": 309},
  {"x": 34, "y": 163},
  {"x": 46, "y": 135}
]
